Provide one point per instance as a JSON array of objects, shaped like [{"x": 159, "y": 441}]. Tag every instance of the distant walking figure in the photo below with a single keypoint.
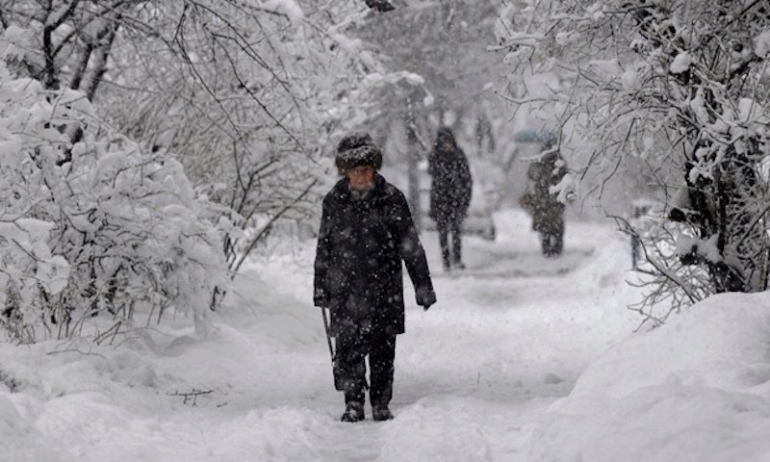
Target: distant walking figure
[
  {"x": 542, "y": 203},
  {"x": 450, "y": 195}
]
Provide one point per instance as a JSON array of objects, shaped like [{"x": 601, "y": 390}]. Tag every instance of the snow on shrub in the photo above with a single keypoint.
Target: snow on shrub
[{"x": 93, "y": 227}]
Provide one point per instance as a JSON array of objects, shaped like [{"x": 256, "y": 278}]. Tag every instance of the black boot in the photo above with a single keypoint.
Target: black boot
[
  {"x": 381, "y": 412},
  {"x": 354, "y": 412}
]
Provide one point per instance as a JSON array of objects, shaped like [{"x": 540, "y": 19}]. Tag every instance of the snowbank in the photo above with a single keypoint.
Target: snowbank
[{"x": 695, "y": 389}]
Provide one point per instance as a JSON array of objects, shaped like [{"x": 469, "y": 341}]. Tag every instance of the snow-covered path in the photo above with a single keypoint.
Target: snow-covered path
[{"x": 507, "y": 338}]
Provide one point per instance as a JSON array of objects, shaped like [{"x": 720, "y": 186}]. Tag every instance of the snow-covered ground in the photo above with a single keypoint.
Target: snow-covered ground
[{"x": 522, "y": 359}]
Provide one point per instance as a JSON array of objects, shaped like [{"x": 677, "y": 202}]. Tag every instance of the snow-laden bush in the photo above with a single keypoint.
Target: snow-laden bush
[
  {"x": 675, "y": 94},
  {"x": 93, "y": 227}
]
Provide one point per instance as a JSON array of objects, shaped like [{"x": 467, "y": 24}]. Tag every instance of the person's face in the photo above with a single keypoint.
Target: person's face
[{"x": 361, "y": 177}]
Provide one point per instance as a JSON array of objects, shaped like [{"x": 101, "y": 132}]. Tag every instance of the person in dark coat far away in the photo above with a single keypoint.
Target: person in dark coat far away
[
  {"x": 366, "y": 232},
  {"x": 450, "y": 194},
  {"x": 543, "y": 204}
]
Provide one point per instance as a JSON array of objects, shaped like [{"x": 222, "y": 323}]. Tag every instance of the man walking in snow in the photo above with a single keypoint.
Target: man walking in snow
[
  {"x": 450, "y": 195},
  {"x": 366, "y": 232}
]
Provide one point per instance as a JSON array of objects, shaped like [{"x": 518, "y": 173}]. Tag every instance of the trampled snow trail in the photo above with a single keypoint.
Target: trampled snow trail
[{"x": 508, "y": 337}]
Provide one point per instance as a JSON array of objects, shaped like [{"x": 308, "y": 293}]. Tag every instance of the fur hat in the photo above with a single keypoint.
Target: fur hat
[
  {"x": 444, "y": 135},
  {"x": 355, "y": 150}
]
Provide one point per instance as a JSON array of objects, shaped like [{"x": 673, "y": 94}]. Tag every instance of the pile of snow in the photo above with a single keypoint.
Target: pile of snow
[{"x": 696, "y": 389}]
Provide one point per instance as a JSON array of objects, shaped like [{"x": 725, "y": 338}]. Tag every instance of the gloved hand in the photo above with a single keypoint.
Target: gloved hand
[
  {"x": 320, "y": 299},
  {"x": 425, "y": 297}
]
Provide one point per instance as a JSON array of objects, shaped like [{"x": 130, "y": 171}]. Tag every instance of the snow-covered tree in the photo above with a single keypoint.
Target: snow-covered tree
[
  {"x": 247, "y": 95},
  {"x": 444, "y": 43},
  {"x": 96, "y": 225},
  {"x": 663, "y": 83}
]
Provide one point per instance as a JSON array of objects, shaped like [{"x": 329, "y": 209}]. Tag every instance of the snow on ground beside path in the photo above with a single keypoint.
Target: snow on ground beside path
[
  {"x": 696, "y": 389},
  {"x": 521, "y": 359}
]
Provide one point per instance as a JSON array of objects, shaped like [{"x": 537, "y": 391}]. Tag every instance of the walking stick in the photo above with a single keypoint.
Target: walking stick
[{"x": 337, "y": 379}]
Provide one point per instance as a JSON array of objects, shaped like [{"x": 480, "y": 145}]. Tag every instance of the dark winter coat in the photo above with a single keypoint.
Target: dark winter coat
[
  {"x": 361, "y": 245},
  {"x": 452, "y": 184},
  {"x": 546, "y": 209}
]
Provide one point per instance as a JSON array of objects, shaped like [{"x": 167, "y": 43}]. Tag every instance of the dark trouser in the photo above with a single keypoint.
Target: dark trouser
[
  {"x": 444, "y": 229},
  {"x": 552, "y": 243},
  {"x": 635, "y": 251},
  {"x": 353, "y": 345}
]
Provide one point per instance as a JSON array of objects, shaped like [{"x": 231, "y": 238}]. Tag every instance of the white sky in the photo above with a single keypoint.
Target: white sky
[{"x": 522, "y": 359}]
